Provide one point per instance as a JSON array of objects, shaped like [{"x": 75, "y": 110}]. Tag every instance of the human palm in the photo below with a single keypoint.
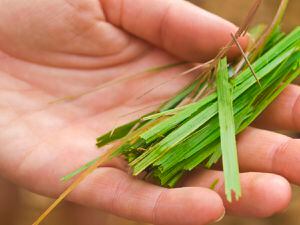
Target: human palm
[{"x": 52, "y": 49}]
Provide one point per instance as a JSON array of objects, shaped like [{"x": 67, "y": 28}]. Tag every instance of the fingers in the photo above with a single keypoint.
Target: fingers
[
  {"x": 284, "y": 112},
  {"x": 178, "y": 26},
  {"x": 116, "y": 192},
  {"x": 265, "y": 151},
  {"x": 262, "y": 194}
]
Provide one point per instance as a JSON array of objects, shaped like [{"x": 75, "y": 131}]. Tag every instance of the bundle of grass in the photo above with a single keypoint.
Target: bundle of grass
[
  {"x": 175, "y": 140},
  {"x": 197, "y": 127}
]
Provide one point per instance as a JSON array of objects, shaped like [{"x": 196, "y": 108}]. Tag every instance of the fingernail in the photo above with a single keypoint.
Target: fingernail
[{"x": 221, "y": 217}]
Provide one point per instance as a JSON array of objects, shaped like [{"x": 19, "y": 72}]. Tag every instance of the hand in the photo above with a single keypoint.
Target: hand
[{"x": 52, "y": 49}]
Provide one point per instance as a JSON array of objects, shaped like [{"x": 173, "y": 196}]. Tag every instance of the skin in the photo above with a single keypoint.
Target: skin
[{"x": 51, "y": 49}]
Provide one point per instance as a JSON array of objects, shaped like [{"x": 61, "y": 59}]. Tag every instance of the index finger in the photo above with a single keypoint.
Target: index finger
[
  {"x": 115, "y": 191},
  {"x": 178, "y": 26}
]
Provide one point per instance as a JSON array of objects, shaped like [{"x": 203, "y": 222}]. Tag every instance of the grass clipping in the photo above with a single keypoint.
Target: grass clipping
[{"x": 197, "y": 127}]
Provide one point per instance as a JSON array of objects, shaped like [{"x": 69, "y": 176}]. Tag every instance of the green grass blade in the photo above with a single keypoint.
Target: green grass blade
[
  {"x": 116, "y": 134},
  {"x": 227, "y": 132},
  {"x": 173, "y": 102},
  {"x": 170, "y": 123},
  {"x": 79, "y": 170}
]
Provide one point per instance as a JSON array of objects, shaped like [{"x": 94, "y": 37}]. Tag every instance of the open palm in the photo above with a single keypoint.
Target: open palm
[{"x": 52, "y": 49}]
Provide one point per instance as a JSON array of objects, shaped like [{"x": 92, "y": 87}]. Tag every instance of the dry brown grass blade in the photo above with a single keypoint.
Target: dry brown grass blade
[
  {"x": 269, "y": 30},
  {"x": 245, "y": 58},
  {"x": 118, "y": 80},
  {"x": 200, "y": 94},
  {"x": 193, "y": 96},
  {"x": 241, "y": 31},
  {"x": 140, "y": 110},
  {"x": 250, "y": 16},
  {"x": 98, "y": 163},
  {"x": 176, "y": 76},
  {"x": 131, "y": 113},
  {"x": 100, "y": 87}
]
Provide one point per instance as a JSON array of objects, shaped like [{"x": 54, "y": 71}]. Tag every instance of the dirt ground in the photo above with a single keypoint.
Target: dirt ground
[{"x": 30, "y": 205}]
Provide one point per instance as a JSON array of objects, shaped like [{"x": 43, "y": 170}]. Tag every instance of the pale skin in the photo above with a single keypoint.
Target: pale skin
[{"x": 50, "y": 49}]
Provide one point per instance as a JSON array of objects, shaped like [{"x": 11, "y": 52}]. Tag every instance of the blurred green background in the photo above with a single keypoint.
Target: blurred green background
[{"x": 28, "y": 206}]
